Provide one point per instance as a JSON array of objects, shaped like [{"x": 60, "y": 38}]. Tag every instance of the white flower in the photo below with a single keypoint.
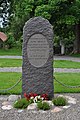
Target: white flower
[
  {"x": 31, "y": 97},
  {"x": 39, "y": 97},
  {"x": 42, "y": 98},
  {"x": 35, "y": 99}
]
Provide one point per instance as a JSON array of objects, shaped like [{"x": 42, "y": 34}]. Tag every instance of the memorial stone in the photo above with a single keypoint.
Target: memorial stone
[{"x": 37, "y": 68}]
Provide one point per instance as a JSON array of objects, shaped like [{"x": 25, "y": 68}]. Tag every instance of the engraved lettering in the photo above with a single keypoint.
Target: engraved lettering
[{"x": 37, "y": 50}]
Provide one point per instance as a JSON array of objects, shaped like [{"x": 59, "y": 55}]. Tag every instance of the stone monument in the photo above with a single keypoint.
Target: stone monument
[{"x": 37, "y": 68}]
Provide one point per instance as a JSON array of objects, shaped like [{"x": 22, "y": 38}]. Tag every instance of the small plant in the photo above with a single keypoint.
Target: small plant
[
  {"x": 22, "y": 103},
  {"x": 43, "y": 105},
  {"x": 59, "y": 101}
]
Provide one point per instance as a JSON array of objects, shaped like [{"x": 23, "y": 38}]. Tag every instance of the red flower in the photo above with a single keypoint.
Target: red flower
[
  {"x": 32, "y": 95},
  {"x": 35, "y": 94},
  {"x": 45, "y": 96},
  {"x": 26, "y": 96}
]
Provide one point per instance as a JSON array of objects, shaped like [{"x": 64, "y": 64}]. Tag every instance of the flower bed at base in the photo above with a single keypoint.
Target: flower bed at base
[
  {"x": 8, "y": 103},
  {"x": 39, "y": 100},
  {"x": 35, "y": 101}
]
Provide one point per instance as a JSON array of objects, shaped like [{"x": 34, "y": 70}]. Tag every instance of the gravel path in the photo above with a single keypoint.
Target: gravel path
[
  {"x": 76, "y": 59},
  {"x": 11, "y": 69},
  {"x": 19, "y": 69},
  {"x": 72, "y": 113},
  {"x": 66, "y": 70},
  {"x": 11, "y": 57},
  {"x": 55, "y": 58}
]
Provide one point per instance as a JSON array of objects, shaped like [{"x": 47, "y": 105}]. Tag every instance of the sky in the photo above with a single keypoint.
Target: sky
[{"x": 1, "y": 22}]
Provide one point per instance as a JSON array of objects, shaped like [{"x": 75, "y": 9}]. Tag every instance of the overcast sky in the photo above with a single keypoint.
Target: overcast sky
[{"x": 1, "y": 22}]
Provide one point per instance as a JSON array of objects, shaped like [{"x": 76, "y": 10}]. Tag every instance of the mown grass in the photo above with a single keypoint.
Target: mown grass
[
  {"x": 75, "y": 55},
  {"x": 13, "y": 51},
  {"x": 72, "y": 79},
  {"x": 66, "y": 64},
  {"x": 6, "y": 62},
  {"x": 10, "y": 62},
  {"x": 8, "y": 79}
]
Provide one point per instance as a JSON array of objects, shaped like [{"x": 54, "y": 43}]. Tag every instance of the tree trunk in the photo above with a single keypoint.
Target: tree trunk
[{"x": 77, "y": 40}]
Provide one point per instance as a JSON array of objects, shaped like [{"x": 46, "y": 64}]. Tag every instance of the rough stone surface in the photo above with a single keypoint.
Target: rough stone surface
[
  {"x": 5, "y": 103},
  {"x": 70, "y": 98},
  {"x": 7, "y": 107},
  {"x": 56, "y": 109},
  {"x": 19, "y": 111},
  {"x": 37, "y": 79},
  {"x": 32, "y": 106},
  {"x": 66, "y": 106},
  {"x": 72, "y": 101},
  {"x": 3, "y": 98},
  {"x": 13, "y": 97}
]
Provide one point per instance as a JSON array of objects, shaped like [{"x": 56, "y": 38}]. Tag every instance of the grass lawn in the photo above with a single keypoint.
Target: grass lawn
[
  {"x": 9, "y": 79},
  {"x": 75, "y": 55},
  {"x": 6, "y": 62},
  {"x": 14, "y": 51},
  {"x": 66, "y": 64},
  {"x": 10, "y": 62},
  {"x": 72, "y": 79}
]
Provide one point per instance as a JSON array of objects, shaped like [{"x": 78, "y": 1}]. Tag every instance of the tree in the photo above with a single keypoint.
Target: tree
[
  {"x": 21, "y": 11},
  {"x": 64, "y": 15}
]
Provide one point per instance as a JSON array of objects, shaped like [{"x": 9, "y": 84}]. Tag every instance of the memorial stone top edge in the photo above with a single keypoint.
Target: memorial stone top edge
[{"x": 39, "y": 20}]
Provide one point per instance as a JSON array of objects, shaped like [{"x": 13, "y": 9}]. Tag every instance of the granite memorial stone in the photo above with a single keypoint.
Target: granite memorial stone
[{"x": 37, "y": 68}]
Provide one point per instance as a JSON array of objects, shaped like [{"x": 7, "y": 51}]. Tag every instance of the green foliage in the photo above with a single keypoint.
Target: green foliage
[
  {"x": 43, "y": 11},
  {"x": 62, "y": 14},
  {"x": 59, "y": 101},
  {"x": 75, "y": 55},
  {"x": 10, "y": 41},
  {"x": 22, "y": 103},
  {"x": 43, "y": 105}
]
